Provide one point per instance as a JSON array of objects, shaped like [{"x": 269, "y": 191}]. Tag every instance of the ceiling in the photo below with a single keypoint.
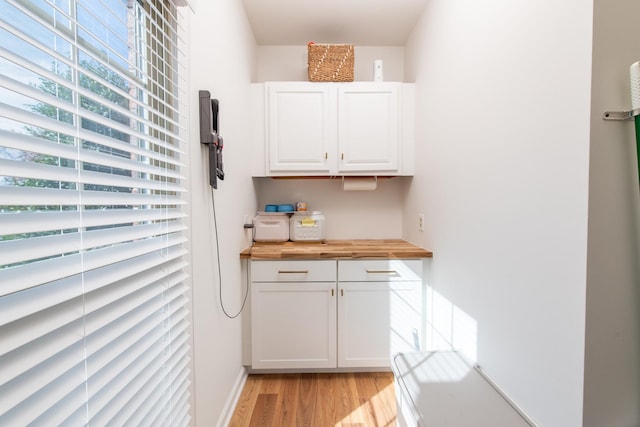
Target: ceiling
[{"x": 359, "y": 22}]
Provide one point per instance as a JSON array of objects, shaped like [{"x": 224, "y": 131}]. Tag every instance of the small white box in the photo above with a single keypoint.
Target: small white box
[
  {"x": 306, "y": 226},
  {"x": 271, "y": 227}
]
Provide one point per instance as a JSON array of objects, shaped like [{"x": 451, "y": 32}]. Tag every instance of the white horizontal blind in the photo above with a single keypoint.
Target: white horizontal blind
[{"x": 93, "y": 309}]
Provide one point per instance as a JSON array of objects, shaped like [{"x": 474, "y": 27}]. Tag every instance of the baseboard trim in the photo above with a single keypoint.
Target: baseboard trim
[{"x": 232, "y": 401}]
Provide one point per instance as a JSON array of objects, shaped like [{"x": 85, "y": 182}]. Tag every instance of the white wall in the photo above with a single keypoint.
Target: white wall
[
  {"x": 222, "y": 59},
  {"x": 502, "y": 92},
  {"x": 348, "y": 214},
  {"x": 612, "y": 365}
]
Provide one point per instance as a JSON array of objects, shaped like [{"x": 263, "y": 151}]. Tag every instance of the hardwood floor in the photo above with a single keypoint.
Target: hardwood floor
[{"x": 317, "y": 400}]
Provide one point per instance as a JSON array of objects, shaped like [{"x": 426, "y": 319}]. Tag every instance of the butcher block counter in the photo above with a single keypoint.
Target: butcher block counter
[{"x": 335, "y": 249}]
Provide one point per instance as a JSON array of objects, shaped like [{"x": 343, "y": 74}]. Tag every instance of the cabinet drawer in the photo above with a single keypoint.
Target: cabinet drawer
[
  {"x": 293, "y": 271},
  {"x": 384, "y": 270}
]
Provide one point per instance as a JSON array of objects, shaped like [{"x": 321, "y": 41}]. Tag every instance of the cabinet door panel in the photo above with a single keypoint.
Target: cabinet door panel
[
  {"x": 293, "y": 325},
  {"x": 377, "y": 320},
  {"x": 368, "y": 127},
  {"x": 299, "y": 128}
]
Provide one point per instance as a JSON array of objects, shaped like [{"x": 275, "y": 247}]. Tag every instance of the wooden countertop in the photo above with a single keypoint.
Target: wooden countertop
[{"x": 335, "y": 249}]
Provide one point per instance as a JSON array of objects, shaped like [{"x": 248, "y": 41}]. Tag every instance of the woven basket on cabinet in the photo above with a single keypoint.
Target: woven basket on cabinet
[{"x": 330, "y": 62}]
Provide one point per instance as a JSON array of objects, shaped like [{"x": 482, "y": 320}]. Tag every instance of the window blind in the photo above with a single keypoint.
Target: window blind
[{"x": 94, "y": 314}]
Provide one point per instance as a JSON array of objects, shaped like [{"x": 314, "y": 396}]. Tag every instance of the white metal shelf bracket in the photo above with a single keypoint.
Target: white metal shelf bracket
[{"x": 621, "y": 115}]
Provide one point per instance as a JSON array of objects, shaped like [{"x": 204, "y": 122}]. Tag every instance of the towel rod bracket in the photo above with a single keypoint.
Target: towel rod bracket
[{"x": 621, "y": 115}]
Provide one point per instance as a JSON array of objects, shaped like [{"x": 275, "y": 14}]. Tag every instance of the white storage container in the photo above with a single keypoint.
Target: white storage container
[
  {"x": 307, "y": 226},
  {"x": 271, "y": 227}
]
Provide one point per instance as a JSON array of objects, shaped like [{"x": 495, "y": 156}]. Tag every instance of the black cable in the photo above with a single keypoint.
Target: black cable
[{"x": 244, "y": 301}]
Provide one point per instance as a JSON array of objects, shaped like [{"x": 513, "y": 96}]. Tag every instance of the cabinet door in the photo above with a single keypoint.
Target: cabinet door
[
  {"x": 293, "y": 325},
  {"x": 300, "y": 128},
  {"x": 368, "y": 127},
  {"x": 377, "y": 320}
]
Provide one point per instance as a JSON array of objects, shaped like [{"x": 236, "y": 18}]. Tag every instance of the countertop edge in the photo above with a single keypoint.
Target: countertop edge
[{"x": 336, "y": 249}]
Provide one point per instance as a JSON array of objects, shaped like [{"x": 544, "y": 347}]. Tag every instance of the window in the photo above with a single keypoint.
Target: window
[{"x": 93, "y": 305}]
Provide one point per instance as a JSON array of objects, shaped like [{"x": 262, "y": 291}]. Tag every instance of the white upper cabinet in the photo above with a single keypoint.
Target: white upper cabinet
[
  {"x": 360, "y": 128},
  {"x": 300, "y": 127},
  {"x": 368, "y": 127}
]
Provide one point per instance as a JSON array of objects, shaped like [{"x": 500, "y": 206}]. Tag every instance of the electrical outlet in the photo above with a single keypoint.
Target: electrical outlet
[{"x": 421, "y": 222}]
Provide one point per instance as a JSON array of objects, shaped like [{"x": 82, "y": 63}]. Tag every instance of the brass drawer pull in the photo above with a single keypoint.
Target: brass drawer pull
[
  {"x": 381, "y": 271},
  {"x": 293, "y": 271}
]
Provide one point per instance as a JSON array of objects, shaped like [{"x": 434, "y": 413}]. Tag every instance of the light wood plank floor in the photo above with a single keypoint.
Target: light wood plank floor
[{"x": 322, "y": 400}]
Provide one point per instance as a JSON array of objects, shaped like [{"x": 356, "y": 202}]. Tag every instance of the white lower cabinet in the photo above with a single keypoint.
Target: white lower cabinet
[
  {"x": 334, "y": 314},
  {"x": 294, "y": 325},
  {"x": 379, "y": 310},
  {"x": 293, "y": 314}
]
